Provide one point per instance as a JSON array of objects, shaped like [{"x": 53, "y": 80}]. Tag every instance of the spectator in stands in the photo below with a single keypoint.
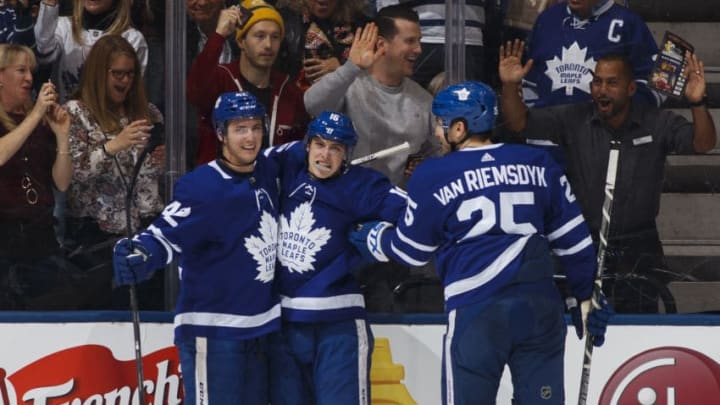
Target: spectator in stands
[
  {"x": 66, "y": 41},
  {"x": 203, "y": 19},
  {"x": 148, "y": 17},
  {"x": 568, "y": 39},
  {"x": 16, "y": 24},
  {"x": 388, "y": 108},
  {"x": 432, "y": 26},
  {"x": 646, "y": 135},
  {"x": 437, "y": 83},
  {"x": 318, "y": 35},
  {"x": 111, "y": 124},
  {"x": 34, "y": 159},
  {"x": 259, "y": 40},
  {"x": 374, "y": 88}
]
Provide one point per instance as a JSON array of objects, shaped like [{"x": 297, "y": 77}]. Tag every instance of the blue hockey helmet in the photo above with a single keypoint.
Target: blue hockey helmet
[
  {"x": 336, "y": 127},
  {"x": 333, "y": 126},
  {"x": 236, "y": 105},
  {"x": 474, "y": 102}
]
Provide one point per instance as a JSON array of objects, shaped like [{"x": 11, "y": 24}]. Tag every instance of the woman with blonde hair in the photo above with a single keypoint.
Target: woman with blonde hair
[
  {"x": 34, "y": 160},
  {"x": 111, "y": 125},
  {"x": 67, "y": 40}
]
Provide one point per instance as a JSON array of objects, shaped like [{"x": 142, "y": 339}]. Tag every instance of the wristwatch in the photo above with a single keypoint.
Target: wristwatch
[{"x": 702, "y": 103}]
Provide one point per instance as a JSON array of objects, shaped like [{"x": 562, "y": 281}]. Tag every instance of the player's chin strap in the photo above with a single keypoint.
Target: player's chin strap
[
  {"x": 454, "y": 145},
  {"x": 446, "y": 133}
]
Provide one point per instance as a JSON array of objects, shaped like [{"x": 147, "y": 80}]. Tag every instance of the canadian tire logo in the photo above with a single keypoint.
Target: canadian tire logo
[{"x": 664, "y": 376}]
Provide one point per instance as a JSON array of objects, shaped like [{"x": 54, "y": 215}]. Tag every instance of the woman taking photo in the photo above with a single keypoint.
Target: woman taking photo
[
  {"x": 34, "y": 160},
  {"x": 111, "y": 125}
]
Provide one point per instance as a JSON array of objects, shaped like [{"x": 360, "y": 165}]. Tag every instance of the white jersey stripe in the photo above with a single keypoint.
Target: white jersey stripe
[
  {"x": 449, "y": 380},
  {"x": 578, "y": 247},
  {"x": 214, "y": 165},
  {"x": 169, "y": 247},
  {"x": 570, "y": 225},
  {"x": 323, "y": 303},
  {"x": 405, "y": 257},
  {"x": 201, "y": 368},
  {"x": 227, "y": 320},
  {"x": 363, "y": 353},
  {"x": 413, "y": 244},
  {"x": 398, "y": 191},
  {"x": 488, "y": 273}
]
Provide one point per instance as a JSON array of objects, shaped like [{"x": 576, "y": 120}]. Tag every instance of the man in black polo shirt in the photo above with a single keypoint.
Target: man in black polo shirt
[{"x": 646, "y": 135}]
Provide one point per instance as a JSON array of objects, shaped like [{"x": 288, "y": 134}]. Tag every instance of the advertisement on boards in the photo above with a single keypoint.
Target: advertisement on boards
[
  {"x": 93, "y": 363},
  {"x": 86, "y": 364}
]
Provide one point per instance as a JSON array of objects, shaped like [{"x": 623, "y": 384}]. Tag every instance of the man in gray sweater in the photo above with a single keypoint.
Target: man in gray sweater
[{"x": 374, "y": 89}]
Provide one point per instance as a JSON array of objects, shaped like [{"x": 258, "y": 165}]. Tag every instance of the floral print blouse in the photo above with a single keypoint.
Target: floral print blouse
[{"x": 98, "y": 186}]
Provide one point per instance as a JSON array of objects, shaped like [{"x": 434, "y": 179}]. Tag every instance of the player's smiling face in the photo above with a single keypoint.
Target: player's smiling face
[
  {"x": 325, "y": 157},
  {"x": 242, "y": 143},
  {"x": 611, "y": 90}
]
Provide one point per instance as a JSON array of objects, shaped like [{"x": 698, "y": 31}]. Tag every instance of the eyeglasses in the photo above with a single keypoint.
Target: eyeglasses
[{"x": 121, "y": 74}]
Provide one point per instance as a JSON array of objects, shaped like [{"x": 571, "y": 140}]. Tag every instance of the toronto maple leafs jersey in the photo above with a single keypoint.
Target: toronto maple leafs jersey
[
  {"x": 490, "y": 215},
  {"x": 316, "y": 261},
  {"x": 222, "y": 226},
  {"x": 565, "y": 50}
]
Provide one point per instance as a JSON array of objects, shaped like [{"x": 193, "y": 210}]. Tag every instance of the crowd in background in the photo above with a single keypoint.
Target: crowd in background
[{"x": 81, "y": 98}]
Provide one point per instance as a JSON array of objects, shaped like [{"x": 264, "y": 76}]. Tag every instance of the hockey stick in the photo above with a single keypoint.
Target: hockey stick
[
  {"x": 156, "y": 139},
  {"x": 382, "y": 153},
  {"x": 602, "y": 248}
]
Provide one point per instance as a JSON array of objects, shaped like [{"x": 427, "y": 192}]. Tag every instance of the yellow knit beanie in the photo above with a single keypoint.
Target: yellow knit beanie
[{"x": 260, "y": 11}]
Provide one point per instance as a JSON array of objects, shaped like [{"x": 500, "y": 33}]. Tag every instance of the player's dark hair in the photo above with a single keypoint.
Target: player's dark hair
[
  {"x": 483, "y": 136},
  {"x": 624, "y": 60},
  {"x": 385, "y": 19}
]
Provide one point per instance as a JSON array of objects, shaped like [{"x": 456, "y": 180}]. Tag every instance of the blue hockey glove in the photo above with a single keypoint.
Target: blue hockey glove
[
  {"x": 597, "y": 318},
  {"x": 130, "y": 261},
  {"x": 366, "y": 239}
]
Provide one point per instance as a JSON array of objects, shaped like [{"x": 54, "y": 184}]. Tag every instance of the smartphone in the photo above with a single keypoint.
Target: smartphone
[{"x": 246, "y": 14}]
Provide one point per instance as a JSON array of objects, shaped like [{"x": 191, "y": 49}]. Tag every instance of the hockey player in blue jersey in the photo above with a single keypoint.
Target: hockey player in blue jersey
[
  {"x": 568, "y": 38},
  {"x": 222, "y": 225},
  {"x": 322, "y": 355},
  {"x": 491, "y": 214}
]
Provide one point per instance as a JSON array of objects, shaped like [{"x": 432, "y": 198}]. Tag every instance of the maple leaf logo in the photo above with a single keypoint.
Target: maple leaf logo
[
  {"x": 264, "y": 248},
  {"x": 299, "y": 242},
  {"x": 573, "y": 71}
]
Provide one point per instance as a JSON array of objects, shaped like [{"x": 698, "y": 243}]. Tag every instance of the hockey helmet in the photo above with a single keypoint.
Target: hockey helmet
[
  {"x": 333, "y": 126},
  {"x": 336, "y": 127},
  {"x": 235, "y": 105},
  {"x": 474, "y": 102}
]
